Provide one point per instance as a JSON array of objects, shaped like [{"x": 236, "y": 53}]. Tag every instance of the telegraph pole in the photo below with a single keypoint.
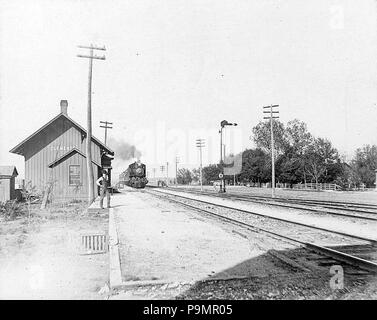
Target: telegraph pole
[
  {"x": 154, "y": 172},
  {"x": 272, "y": 117},
  {"x": 162, "y": 168},
  {"x": 89, "y": 166},
  {"x": 176, "y": 169},
  {"x": 200, "y": 143},
  {"x": 106, "y": 125},
  {"x": 167, "y": 172}
]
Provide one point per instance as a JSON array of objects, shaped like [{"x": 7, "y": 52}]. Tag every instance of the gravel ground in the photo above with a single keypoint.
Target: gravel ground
[
  {"x": 282, "y": 271},
  {"x": 160, "y": 240},
  {"x": 302, "y": 233},
  {"x": 287, "y": 286},
  {"x": 281, "y": 284}
]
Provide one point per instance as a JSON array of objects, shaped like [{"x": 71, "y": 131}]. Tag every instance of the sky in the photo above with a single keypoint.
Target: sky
[{"x": 175, "y": 69}]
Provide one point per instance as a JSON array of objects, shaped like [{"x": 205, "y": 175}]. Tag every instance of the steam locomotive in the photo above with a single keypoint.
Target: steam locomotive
[{"x": 135, "y": 175}]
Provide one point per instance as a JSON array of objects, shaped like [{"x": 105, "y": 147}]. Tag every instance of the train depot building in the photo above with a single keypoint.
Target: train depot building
[{"x": 55, "y": 155}]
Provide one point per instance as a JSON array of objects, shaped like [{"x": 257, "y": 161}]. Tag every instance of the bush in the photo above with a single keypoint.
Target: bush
[{"x": 11, "y": 209}]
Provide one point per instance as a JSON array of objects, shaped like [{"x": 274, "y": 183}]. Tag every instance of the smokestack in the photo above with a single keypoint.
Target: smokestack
[{"x": 64, "y": 107}]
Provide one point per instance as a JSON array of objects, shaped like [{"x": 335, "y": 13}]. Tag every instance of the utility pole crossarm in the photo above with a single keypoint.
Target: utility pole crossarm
[
  {"x": 91, "y": 57},
  {"x": 271, "y": 106},
  {"x": 92, "y": 47},
  {"x": 106, "y": 126}
]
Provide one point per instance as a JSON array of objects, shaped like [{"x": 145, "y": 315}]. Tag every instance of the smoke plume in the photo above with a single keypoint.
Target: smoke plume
[
  {"x": 124, "y": 150},
  {"x": 125, "y": 154}
]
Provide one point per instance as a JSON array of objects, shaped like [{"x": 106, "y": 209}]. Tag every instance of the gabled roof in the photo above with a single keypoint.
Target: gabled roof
[
  {"x": 68, "y": 154},
  {"x": 17, "y": 148},
  {"x": 8, "y": 171}
]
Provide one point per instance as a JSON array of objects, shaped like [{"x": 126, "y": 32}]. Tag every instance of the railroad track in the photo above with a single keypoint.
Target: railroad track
[
  {"x": 329, "y": 208},
  {"x": 361, "y": 256},
  {"x": 347, "y": 206},
  {"x": 338, "y": 204}
]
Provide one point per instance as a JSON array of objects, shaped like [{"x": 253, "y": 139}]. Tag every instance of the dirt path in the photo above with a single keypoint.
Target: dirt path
[{"x": 42, "y": 260}]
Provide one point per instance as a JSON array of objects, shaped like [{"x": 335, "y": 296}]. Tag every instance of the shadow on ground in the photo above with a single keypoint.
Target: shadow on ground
[{"x": 286, "y": 274}]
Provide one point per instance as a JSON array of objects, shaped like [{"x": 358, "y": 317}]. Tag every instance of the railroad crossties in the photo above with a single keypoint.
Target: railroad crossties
[{"x": 171, "y": 244}]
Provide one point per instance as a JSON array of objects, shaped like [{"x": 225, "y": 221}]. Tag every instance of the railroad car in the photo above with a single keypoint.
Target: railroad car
[{"x": 134, "y": 176}]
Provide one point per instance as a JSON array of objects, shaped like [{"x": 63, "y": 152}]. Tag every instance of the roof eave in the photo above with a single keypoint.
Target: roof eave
[
  {"x": 20, "y": 145},
  {"x": 14, "y": 150},
  {"x": 69, "y": 152}
]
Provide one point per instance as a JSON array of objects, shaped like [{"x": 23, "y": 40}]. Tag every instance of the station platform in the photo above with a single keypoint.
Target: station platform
[{"x": 161, "y": 242}]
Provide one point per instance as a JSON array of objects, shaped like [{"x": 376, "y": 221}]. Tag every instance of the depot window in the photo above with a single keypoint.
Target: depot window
[{"x": 74, "y": 174}]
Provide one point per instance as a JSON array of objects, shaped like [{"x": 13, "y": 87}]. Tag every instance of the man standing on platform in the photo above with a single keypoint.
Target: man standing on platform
[{"x": 104, "y": 183}]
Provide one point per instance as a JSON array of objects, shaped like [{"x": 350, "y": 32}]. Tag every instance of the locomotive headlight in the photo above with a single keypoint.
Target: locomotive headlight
[{"x": 138, "y": 170}]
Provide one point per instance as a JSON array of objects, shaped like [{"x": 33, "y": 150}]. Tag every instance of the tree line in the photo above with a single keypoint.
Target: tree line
[{"x": 300, "y": 157}]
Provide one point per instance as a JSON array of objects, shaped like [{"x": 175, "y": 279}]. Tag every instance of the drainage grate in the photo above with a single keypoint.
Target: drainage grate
[{"x": 94, "y": 243}]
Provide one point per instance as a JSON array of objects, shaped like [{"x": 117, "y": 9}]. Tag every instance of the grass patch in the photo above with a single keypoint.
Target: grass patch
[{"x": 11, "y": 210}]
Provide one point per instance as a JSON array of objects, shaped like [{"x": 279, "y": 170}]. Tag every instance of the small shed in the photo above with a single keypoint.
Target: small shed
[{"x": 8, "y": 175}]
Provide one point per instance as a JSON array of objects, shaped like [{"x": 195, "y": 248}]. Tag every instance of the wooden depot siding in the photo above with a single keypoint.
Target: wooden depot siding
[
  {"x": 60, "y": 176},
  {"x": 56, "y": 141},
  {"x": 52, "y": 149}
]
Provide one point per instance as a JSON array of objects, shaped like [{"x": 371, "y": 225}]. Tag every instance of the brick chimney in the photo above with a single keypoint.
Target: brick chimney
[{"x": 64, "y": 107}]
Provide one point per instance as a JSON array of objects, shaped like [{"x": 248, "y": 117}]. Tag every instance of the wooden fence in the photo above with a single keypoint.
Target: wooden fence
[
  {"x": 299, "y": 186},
  {"x": 317, "y": 186}
]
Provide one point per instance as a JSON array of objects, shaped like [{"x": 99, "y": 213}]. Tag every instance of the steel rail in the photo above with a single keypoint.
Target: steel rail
[
  {"x": 314, "y": 201},
  {"x": 328, "y": 204},
  {"x": 286, "y": 205},
  {"x": 374, "y": 242},
  {"x": 290, "y": 204},
  {"x": 325, "y": 204},
  {"x": 338, "y": 255}
]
